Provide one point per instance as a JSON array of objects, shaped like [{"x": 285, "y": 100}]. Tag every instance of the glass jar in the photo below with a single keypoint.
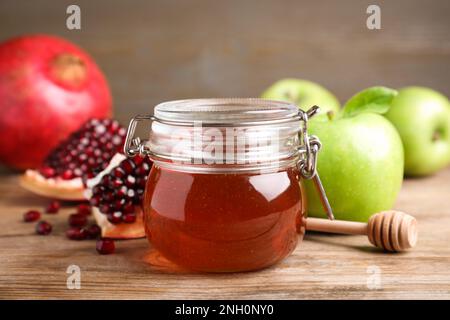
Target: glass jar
[{"x": 225, "y": 191}]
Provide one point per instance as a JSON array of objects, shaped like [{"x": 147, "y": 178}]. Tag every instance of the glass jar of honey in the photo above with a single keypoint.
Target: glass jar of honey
[{"x": 225, "y": 192}]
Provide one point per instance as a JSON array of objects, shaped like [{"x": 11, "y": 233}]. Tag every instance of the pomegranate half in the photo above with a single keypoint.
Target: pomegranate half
[
  {"x": 80, "y": 157},
  {"x": 48, "y": 88}
]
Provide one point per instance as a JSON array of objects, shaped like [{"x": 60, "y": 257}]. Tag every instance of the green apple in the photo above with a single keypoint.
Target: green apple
[
  {"x": 361, "y": 160},
  {"x": 422, "y": 118},
  {"x": 303, "y": 93}
]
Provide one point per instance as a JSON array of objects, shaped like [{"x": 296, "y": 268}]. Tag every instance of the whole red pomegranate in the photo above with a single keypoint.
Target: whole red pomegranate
[{"x": 48, "y": 88}]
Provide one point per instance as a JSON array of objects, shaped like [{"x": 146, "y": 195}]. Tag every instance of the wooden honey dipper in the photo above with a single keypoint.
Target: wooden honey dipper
[{"x": 391, "y": 230}]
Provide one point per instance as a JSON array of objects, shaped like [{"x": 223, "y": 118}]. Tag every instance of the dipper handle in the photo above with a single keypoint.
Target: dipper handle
[{"x": 390, "y": 230}]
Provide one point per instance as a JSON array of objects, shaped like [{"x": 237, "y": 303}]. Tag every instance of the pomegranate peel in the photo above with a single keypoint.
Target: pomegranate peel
[
  {"x": 56, "y": 188},
  {"x": 48, "y": 88}
]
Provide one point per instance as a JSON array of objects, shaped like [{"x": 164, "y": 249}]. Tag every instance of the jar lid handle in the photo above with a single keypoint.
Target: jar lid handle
[
  {"x": 134, "y": 145},
  {"x": 308, "y": 158}
]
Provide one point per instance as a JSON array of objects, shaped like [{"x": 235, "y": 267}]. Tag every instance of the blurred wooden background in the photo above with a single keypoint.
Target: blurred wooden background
[{"x": 156, "y": 50}]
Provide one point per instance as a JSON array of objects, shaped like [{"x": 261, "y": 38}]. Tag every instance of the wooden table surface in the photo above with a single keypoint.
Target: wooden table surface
[
  {"x": 323, "y": 267},
  {"x": 158, "y": 50}
]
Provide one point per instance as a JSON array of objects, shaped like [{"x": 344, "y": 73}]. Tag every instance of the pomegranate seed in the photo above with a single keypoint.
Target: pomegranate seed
[
  {"x": 122, "y": 132},
  {"x": 138, "y": 160},
  {"x": 105, "y": 156},
  {"x": 84, "y": 141},
  {"x": 95, "y": 201},
  {"x": 93, "y": 231},
  {"x": 77, "y": 220},
  {"x": 143, "y": 170},
  {"x": 84, "y": 209},
  {"x": 67, "y": 174},
  {"x": 105, "y": 246},
  {"x": 31, "y": 216},
  {"x": 114, "y": 126},
  {"x": 106, "y": 181},
  {"x": 108, "y": 196},
  {"x": 76, "y": 233},
  {"x": 109, "y": 146},
  {"x": 71, "y": 166},
  {"x": 47, "y": 172},
  {"x": 141, "y": 182},
  {"x": 53, "y": 207},
  {"x": 115, "y": 217},
  {"x": 130, "y": 181},
  {"x": 67, "y": 159},
  {"x": 100, "y": 129},
  {"x": 131, "y": 193},
  {"x": 105, "y": 208},
  {"x": 121, "y": 192},
  {"x": 117, "y": 183},
  {"x": 128, "y": 165},
  {"x": 129, "y": 217},
  {"x": 128, "y": 208},
  {"x": 43, "y": 228},
  {"x": 116, "y": 140},
  {"x": 98, "y": 190},
  {"x": 84, "y": 167},
  {"x": 77, "y": 172},
  {"x": 118, "y": 172}
]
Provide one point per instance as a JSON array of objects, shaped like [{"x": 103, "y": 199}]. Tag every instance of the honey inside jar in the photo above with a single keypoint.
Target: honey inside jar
[
  {"x": 224, "y": 193},
  {"x": 223, "y": 222}
]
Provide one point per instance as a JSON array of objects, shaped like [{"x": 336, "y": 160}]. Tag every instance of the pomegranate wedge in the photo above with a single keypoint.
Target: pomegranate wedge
[
  {"x": 116, "y": 196},
  {"x": 77, "y": 159}
]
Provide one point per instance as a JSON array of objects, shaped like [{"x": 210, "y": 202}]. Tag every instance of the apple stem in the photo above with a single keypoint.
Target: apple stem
[
  {"x": 330, "y": 115},
  {"x": 437, "y": 135},
  {"x": 289, "y": 96}
]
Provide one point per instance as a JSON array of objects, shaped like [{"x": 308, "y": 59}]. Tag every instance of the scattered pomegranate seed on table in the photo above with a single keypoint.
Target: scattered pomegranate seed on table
[
  {"x": 31, "y": 216},
  {"x": 76, "y": 233},
  {"x": 77, "y": 220},
  {"x": 105, "y": 246},
  {"x": 43, "y": 228},
  {"x": 93, "y": 231},
  {"x": 53, "y": 207}
]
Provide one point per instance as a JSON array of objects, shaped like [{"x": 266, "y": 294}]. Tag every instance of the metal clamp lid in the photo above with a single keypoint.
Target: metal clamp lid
[{"x": 134, "y": 145}]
